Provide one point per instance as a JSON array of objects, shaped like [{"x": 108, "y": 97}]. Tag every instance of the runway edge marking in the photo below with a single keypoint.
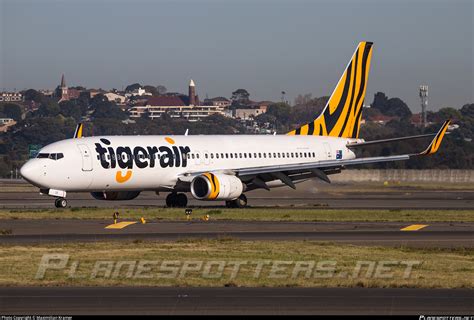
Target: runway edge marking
[
  {"x": 120, "y": 225},
  {"x": 414, "y": 227}
]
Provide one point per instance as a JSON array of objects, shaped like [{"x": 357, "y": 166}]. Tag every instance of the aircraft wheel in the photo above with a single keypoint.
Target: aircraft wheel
[
  {"x": 171, "y": 200},
  {"x": 60, "y": 203},
  {"x": 181, "y": 200},
  {"x": 241, "y": 201}
]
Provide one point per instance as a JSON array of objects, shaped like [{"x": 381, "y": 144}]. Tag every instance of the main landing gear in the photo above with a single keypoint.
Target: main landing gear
[
  {"x": 176, "y": 200},
  {"x": 60, "y": 203},
  {"x": 240, "y": 202}
]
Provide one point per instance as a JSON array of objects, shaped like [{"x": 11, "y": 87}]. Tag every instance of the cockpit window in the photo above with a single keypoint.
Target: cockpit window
[{"x": 52, "y": 156}]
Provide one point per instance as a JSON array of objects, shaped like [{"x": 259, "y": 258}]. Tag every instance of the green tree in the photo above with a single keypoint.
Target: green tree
[
  {"x": 281, "y": 111},
  {"x": 161, "y": 90},
  {"x": 151, "y": 89},
  {"x": 468, "y": 110},
  {"x": 12, "y": 110},
  {"x": 307, "y": 112},
  {"x": 48, "y": 108},
  {"x": 34, "y": 95},
  {"x": 444, "y": 114},
  {"x": 71, "y": 108},
  {"x": 132, "y": 87},
  {"x": 240, "y": 97},
  {"x": 391, "y": 107},
  {"x": 103, "y": 108}
]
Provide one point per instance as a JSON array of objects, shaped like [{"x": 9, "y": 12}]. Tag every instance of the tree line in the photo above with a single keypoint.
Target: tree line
[{"x": 54, "y": 121}]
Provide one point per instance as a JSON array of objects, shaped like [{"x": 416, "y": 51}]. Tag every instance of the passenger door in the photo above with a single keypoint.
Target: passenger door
[{"x": 86, "y": 157}]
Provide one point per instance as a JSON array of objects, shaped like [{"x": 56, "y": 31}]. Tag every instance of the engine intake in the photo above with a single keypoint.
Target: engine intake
[
  {"x": 115, "y": 195},
  {"x": 210, "y": 186}
]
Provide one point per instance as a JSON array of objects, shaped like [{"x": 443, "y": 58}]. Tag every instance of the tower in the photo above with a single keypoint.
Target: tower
[
  {"x": 192, "y": 93},
  {"x": 62, "y": 91},
  {"x": 424, "y": 103}
]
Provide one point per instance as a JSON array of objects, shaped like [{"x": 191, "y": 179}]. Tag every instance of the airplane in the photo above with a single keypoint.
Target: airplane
[{"x": 217, "y": 167}]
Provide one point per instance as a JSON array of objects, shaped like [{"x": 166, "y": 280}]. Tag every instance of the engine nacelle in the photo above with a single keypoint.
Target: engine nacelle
[
  {"x": 115, "y": 195},
  {"x": 210, "y": 186}
]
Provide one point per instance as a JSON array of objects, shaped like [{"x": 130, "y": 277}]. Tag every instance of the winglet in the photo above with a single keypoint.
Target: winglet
[
  {"x": 436, "y": 143},
  {"x": 78, "y": 132}
]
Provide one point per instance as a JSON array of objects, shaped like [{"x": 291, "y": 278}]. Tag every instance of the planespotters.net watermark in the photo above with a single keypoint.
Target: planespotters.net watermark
[{"x": 52, "y": 264}]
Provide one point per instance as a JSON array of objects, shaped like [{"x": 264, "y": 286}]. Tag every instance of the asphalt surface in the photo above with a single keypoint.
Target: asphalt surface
[
  {"x": 307, "y": 194},
  {"x": 361, "y": 233},
  {"x": 208, "y": 301},
  {"x": 137, "y": 300}
]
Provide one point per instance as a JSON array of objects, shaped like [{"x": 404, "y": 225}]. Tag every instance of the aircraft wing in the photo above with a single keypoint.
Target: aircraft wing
[{"x": 257, "y": 177}]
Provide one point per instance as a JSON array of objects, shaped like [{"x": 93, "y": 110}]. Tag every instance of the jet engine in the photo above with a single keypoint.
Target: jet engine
[
  {"x": 115, "y": 195},
  {"x": 210, "y": 186}
]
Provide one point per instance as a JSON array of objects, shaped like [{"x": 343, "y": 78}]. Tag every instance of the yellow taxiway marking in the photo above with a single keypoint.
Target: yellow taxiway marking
[
  {"x": 120, "y": 225},
  {"x": 414, "y": 227}
]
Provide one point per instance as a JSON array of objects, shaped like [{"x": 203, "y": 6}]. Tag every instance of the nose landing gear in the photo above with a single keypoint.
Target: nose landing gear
[
  {"x": 60, "y": 203},
  {"x": 176, "y": 200}
]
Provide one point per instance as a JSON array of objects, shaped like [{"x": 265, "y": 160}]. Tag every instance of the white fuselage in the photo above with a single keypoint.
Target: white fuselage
[{"x": 114, "y": 163}]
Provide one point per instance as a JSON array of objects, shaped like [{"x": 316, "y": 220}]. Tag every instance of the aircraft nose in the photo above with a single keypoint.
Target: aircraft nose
[{"x": 30, "y": 172}]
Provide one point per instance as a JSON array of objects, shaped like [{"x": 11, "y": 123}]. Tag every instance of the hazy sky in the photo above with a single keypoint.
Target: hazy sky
[{"x": 263, "y": 46}]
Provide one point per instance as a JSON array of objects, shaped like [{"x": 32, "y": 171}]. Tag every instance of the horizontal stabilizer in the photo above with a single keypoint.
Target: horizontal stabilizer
[
  {"x": 374, "y": 142},
  {"x": 439, "y": 134}
]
